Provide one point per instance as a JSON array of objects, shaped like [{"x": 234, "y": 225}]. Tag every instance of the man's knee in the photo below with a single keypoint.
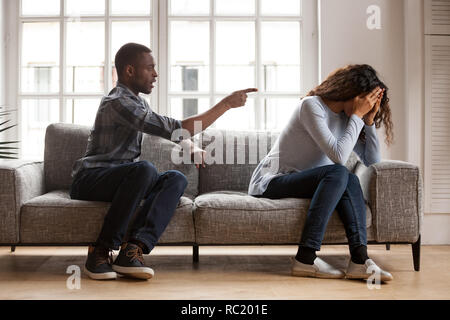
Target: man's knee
[
  {"x": 145, "y": 173},
  {"x": 178, "y": 178}
]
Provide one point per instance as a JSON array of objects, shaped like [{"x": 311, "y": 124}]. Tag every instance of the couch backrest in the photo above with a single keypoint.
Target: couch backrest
[
  {"x": 66, "y": 143},
  {"x": 233, "y": 169},
  {"x": 158, "y": 151},
  {"x": 235, "y": 175}
]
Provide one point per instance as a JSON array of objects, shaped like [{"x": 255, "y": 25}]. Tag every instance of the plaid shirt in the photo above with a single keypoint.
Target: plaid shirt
[{"x": 116, "y": 137}]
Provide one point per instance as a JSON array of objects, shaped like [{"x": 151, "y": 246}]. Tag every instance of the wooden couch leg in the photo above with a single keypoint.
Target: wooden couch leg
[
  {"x": 195, "y": 256},
  {"x": 388, "y": 246},
  {"x": 13, "y": 248},
  {"x": 416, "y": 254}
]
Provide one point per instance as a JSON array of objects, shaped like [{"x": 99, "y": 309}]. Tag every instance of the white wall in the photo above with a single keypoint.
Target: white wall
[
  {"x": 436, "y": 229},
  {"x": 345, "y": 39}
]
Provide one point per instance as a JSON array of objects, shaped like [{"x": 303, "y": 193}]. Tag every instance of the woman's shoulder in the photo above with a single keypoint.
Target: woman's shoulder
[
  {"x": 312, "y": 104},
  {"x": 312, "y": 100}
]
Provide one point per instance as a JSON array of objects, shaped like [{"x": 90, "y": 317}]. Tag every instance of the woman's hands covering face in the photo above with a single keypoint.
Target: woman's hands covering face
[
  {"x": 370, "y": 116},
  {"x": 363, "y": 105}
]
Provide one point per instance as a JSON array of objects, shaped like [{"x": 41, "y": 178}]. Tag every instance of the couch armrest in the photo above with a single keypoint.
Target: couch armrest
[
  {"x": 394, "y": 192},
  {"x": 20, "y": 181}
]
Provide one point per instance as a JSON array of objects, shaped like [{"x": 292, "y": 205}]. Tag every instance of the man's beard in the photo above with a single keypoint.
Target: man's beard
[{"x": 143, "y": 89}]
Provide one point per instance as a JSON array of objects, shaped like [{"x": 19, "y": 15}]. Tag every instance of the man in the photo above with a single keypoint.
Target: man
[{"x": 110, "y": 172}]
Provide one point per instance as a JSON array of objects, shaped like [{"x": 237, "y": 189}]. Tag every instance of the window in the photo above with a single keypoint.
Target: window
[
  {"x": 204, "y": 49},
  {"x": 67, "y": 50},
  {"x": 238, "y": 44}
]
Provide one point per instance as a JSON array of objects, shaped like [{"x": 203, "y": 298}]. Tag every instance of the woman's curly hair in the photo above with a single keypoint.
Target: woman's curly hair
[{"x": 351, "y": 81}]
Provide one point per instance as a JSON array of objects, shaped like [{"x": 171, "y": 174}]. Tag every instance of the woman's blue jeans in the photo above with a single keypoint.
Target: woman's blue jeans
[
  {"x": 330, "y": 187},
  {"x": 125, "y": 186}
]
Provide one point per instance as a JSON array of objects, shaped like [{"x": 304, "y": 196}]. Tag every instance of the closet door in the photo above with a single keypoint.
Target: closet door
[
  {"x": 437, "y": 16},
  {"x": 437, "y": 123}
]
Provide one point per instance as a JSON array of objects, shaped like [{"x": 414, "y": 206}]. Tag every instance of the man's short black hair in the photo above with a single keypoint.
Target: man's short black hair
[{"x": 128, "y": 55}]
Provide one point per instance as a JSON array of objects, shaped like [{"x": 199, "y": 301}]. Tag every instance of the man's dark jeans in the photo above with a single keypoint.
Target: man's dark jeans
[
  {"x": 125, "y": 186},
  {"x": 330, "y": 187}
]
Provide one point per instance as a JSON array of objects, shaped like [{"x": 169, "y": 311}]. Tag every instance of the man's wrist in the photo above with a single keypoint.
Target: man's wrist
[{"x": 223, "y": 105}]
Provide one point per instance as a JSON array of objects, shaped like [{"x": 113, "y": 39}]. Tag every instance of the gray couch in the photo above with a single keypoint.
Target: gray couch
[{"x": 36, "y": 209}]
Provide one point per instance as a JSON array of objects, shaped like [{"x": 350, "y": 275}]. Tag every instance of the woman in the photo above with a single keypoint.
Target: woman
[{"x": 307, "y": 161}]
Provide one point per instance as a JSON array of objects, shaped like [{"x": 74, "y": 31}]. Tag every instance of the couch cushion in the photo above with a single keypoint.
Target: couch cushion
[
  {"x": 235, "y": 175},
  {"x": 65, "y": 143},
  {"x": 226, "y": 217},
  {"x": 55, "y": 218}
]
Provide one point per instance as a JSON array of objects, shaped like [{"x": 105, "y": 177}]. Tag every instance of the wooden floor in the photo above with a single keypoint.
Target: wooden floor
[{"x": 223, "y": 273}]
